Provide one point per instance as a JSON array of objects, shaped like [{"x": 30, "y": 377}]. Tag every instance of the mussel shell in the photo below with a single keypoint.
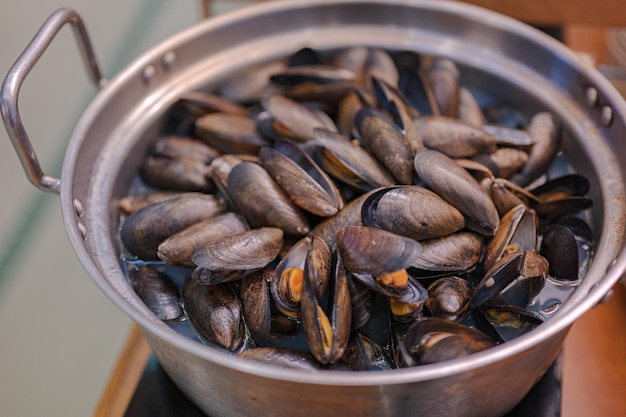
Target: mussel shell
[
  {"x": 286, "y": 292},
  {"x": 387, "y": 143},
  {"x": 411, "y": 211},
  {"x": 144, "y": 230},
  {"x": 469, "y": 109},
  {"x": 199, "y": 103},
  {"x": 184, "y": 147},
  {"x": 262, "y": 202},
  {"x": 544, "y": 129},
  {"x": 350, "y": 215},
  {"x": 418, "y": 91},
  {"x": 447, "y": 296},
  {"x": 443, "y": 77},
  {"x": 517, "y": 233},
  {"x": 326, "y": 319},
  {"x": 457, "y": 252},
  {"x": 248, "y": 250},
  {"x": 296, "y": 117},
  {"x": 505, "y": 161},
  {"x": 157, "y": 291},
  {"x": 455, "y": 185},
  {"x": 560, "y": 248},
  {"x": 413, "y": 293},
  {"x": 375, "y": 251},
  {"x": 177, "y": 249},
  {"x": 180, "y": 174},
  {"x": 302, "y": 179},
  {"x": 131, "y": 203},
  {"x": 254, "y": 293},
  {"x": 433, "y": 340},
  {"x": 230, "y": 133},
  {"x": 347, "y": 162},
  {"x": 362, "y": 299},
  {"x": 528, "y": 267},
  {"x": 215, "y": 314},
  {"x": 364, "y": 354},
  {"x": 453, "y": 137}
]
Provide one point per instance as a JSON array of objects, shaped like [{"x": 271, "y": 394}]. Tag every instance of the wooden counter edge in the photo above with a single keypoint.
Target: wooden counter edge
[{"x": 125, "y": 377}]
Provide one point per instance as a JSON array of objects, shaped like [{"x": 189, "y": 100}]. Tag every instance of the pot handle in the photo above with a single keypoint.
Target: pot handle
[{"x": 15, "y": 77}]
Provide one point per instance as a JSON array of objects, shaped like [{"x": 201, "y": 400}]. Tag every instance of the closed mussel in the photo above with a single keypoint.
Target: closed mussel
[
  {"x": 454, "y": 184},
  {"x": 177, "y": 249},
  {"x": 214, "y": 312},
  {"x": 234, "y": 256},
  {"x": 387, "y": 143},
  {"x": 262, "y": 202},
  {"x": 157, "y": 291},
  {"x": 144, "y": 230},
  {"x": 411, "y": 211}
]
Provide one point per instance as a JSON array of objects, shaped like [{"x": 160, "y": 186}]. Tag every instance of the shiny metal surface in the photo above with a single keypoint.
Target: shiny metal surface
[
  {"x": 498, "y": 55},
  {"x": 18, "y": 73}
]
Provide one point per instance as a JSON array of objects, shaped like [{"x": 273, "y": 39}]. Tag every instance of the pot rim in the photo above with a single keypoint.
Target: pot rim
[{"x": 554, "y": 326}]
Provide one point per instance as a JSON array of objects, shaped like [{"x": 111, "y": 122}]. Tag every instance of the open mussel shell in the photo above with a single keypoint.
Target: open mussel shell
[
  {"x": 506, "y": 315},
  {"x": 144, "y": 230},
  {"x": 433, "y": 340},
  {"x": 177, "y": 249},
  {"x": 287, "y": 280},
  {"x": 457, "y": 252},
  {"x": 157, "y": 291},
  {"x": 517, "y": 233},
  {"x": 326, "y": 318},
  {"x": 245, "y": 251},
  {"x": 528, "y": 269},
  {"x": 411, "y": 211},
  {"x": 362, "y": 299},
  {"x": 262, "y": 202},
  {"x": 454, "y": 184},
  {"x": 318, "y": 74},
  {"x": 347, "y": 162},
  {"x": 214, "y": 312},
  {"x": 375, "y": 251},
  {"x": 302, "y": 179},
  {"x": 560, "y": 197}
]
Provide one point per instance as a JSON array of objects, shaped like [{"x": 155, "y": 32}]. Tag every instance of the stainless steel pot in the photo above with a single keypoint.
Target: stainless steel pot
[{"x": 498, "y": 55}]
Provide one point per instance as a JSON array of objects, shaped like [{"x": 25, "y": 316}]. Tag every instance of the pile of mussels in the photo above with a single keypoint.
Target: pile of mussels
[{"x": 354, "y": 210}]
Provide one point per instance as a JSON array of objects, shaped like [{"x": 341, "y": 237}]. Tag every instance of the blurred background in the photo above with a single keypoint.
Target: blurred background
[{"x": 60, "y": 336}]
